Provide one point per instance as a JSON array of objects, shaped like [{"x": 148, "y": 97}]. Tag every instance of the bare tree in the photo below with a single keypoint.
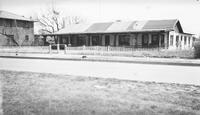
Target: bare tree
[{"x": 51, "y": 21}]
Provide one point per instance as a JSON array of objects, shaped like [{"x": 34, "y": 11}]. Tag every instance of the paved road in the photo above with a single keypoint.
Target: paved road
[{"x": 143, "y": 72}]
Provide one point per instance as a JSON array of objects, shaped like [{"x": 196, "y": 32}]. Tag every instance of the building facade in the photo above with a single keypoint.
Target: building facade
[
  {"x": 15, "y": 30},
  {"x": 166, "y": 34}
]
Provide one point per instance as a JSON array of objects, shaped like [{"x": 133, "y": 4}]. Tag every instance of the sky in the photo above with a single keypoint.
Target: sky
[{"x": 187, "y": 11}]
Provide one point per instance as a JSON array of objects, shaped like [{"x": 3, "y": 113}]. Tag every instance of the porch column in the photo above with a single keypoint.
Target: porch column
[
  {"x": 69, "y": 40},
  {"x": 159, "y": 40},
  {"x": 182, "y": 42},
  {"x": 187, "y": 42},
  {"x": 117, "y": 40},
  {"x": 90, "y": 40},
  {"x": 139, "y": 40},
  {"x": 103, "y": 40},
  {"x": 112, "y": 37},
  {"x": 149, "y": 41},
  {"x": 174, "y": 41},
  {"x": 132, "y": 40},
  {"x": 166, "y": 39},
  {"x": 190, "y": 41}
]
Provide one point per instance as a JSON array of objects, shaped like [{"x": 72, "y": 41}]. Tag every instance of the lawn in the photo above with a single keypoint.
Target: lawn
[{"x": 26, "y": 93}]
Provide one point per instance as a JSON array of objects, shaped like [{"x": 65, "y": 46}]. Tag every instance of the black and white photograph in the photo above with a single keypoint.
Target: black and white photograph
[{"x": 99, "y": 57}]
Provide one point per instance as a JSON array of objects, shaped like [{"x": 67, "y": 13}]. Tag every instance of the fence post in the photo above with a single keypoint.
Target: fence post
[
  {"x": 65, "y": 49},
  {"x": 58, "y": 48},
  {"x": 50, "y": 49},
  {"x": 108, "y": 48}
]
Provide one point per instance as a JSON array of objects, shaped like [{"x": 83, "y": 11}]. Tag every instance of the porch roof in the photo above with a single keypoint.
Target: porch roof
[{"x": 121, "y": 27}]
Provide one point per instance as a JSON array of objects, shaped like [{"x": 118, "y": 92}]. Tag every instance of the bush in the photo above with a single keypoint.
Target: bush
[{"x": 197, "y": 49}]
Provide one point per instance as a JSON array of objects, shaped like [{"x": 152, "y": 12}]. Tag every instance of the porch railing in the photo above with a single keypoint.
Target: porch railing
[{"x": 96, "y": 49}]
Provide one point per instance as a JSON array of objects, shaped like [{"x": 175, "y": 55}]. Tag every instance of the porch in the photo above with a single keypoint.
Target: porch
[{"x": 129, "y": 40}]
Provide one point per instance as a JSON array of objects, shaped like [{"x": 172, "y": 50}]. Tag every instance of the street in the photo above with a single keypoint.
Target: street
[{"x": 141, "y": 72}]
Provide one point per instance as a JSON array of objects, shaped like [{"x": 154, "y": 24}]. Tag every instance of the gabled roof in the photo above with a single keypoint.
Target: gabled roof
[
  {"x": 119, "y": 26},
  {"x": 8, "y": 15}
]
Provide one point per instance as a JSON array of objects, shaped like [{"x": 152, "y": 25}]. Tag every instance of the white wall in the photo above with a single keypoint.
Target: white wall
[{"x": 181, "y": 44}]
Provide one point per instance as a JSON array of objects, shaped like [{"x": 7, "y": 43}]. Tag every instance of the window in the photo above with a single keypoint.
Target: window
[
  {"x": 171, "y": 40},
  {"x": 26, "y": 38},
  {"x": 8, "y": 23},
  {"x": 96, "y": 41},
  {"x": 185, "y": 40},
  {"x": 124, "y": 40},
  {"x": 155, "y": 40},
  {"x": 145, "y": 40},
  {"x": 81, "y": 41}
]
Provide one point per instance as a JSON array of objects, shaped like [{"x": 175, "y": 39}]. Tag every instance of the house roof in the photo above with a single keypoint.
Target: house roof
[
  {"x": 99, "y": 27},
  {"x": 160, "y": 24},
  {"x": 75, "y": 28},
  {"x": 8, "y": 15},
  {"x": 119, "y": 26}
]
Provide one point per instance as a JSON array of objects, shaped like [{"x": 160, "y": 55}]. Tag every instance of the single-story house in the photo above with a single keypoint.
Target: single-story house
[
  {"x": 166, "y": 34},
  {"x": 15, "y": 30}
]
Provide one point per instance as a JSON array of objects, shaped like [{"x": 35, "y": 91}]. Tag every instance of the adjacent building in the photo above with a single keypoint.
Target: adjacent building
[
  {"x": 166, "y": 34},
  {"x": 15, "y": 30}
]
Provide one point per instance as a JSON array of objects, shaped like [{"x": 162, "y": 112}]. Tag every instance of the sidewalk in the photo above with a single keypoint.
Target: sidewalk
[{"x": 120, "y": 59}]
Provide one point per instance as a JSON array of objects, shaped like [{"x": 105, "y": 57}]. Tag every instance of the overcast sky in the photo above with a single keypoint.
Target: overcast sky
[{"x": 187, "y": 11}]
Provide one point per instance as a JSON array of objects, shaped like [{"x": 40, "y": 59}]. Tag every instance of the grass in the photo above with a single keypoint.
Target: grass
[
  {"x": 26, "y": 93},
  {"x": 187, "y": 54}
]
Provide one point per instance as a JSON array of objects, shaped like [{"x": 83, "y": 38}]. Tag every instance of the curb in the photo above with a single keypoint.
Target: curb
[{"x": 107, "y": 60}]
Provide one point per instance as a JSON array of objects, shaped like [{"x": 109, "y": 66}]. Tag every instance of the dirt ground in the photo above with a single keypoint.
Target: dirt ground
[{"x": 26, "y": 93}]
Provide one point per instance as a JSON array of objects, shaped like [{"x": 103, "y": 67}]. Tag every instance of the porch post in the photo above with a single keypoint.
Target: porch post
[
  {"x": 114, "y": 40},
  {"x": 58, "y": 44},
  {"x": 103, "y": 40},
  {"x": 117, "y": 40},
  {"x": 149, "y": 41},
  {"x": 90, "y": 40},
  {"x": 166, "y": 39},
  {"x": 69, "y": 40},
  {"x": 159, "y": 40},
  {"x": 187, "y": 42}
]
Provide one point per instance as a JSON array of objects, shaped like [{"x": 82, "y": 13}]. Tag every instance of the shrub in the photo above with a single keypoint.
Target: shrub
[{"x": 197, "y": 49}]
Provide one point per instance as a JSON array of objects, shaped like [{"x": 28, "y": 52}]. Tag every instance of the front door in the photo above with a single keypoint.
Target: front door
[{"x": 155, "y": 41}]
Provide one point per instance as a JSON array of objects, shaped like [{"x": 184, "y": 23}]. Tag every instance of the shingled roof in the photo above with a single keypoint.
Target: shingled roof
[
  {"x": 119, "y": 26},
  {"x": 8, "y": 15}
]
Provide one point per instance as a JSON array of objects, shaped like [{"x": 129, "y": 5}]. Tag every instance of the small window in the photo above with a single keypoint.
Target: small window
[
  {"x": 26, "y": 37},
  {"x": 171, "y": 40}
]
